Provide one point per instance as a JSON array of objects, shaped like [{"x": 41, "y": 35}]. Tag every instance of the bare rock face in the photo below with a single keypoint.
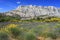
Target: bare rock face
[{"x": 29, "y": 11}]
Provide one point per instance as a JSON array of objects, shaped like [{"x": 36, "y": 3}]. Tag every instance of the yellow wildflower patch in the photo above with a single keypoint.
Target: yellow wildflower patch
[{"x": 12, "y": 25}]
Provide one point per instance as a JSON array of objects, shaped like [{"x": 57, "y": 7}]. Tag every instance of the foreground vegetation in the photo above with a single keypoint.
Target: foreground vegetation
[
  {"x": 19, "y": 30},
  {"x": 41, "y": 32}
]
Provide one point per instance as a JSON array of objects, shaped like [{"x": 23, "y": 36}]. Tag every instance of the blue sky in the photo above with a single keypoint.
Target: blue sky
[{"x": 7, "y": 5}]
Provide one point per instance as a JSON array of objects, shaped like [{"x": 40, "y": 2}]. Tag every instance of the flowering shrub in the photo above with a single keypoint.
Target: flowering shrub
[{"x": 12, "y": 25}]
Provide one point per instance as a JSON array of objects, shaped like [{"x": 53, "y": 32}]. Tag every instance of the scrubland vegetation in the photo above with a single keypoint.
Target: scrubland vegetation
[
  {"x": 18, "y": 19},
  {"x": 34, "y": 29},
  {"x": 40, "y": 32}
]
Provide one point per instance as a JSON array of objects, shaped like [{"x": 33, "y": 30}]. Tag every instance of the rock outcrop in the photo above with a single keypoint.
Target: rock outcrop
[{"x": 30, "y": 12}]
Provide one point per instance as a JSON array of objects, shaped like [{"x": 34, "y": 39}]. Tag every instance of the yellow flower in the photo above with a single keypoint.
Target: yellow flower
[{"x": 12, "y": 25}]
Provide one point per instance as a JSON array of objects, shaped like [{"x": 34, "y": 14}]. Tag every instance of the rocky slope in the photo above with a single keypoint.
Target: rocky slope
[{"x": 30, "y": 12}]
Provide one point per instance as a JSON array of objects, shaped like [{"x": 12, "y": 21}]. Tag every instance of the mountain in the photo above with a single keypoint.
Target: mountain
[{"x": 30, "y": 12}]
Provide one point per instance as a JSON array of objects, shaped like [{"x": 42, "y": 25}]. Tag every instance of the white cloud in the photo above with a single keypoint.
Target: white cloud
[
  {"x": 1, "y": 8},
  {"x": 18, "y": 2}
]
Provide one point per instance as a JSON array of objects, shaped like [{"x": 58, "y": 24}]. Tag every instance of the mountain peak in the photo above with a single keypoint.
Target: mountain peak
[{"x": 31, "y": 11}]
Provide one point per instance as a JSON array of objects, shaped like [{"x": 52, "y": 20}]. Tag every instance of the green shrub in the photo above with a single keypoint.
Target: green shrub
[
  {"x": 52, "y": 35},
  {"x": 4, "y": 36},
  {"x": 15, "y": 32},
  {"x": 30, "y": 36}
]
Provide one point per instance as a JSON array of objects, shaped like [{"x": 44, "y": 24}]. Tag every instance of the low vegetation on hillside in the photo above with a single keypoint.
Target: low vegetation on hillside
[
  {"x": 8, "y": 19},
  {"x": 18, "y": 19}
]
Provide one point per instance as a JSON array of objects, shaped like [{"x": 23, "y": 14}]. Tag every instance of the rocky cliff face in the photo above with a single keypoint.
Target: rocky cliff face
[{"x": 29, "y": 11}]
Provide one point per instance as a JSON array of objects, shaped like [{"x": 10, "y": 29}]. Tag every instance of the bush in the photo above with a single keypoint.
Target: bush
[
  {"x": 52, "y": 35},
  {"x": 4, "y": 36},
  {"x": 30, "y": 36},
  {"x": 15, "y": 32}
]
